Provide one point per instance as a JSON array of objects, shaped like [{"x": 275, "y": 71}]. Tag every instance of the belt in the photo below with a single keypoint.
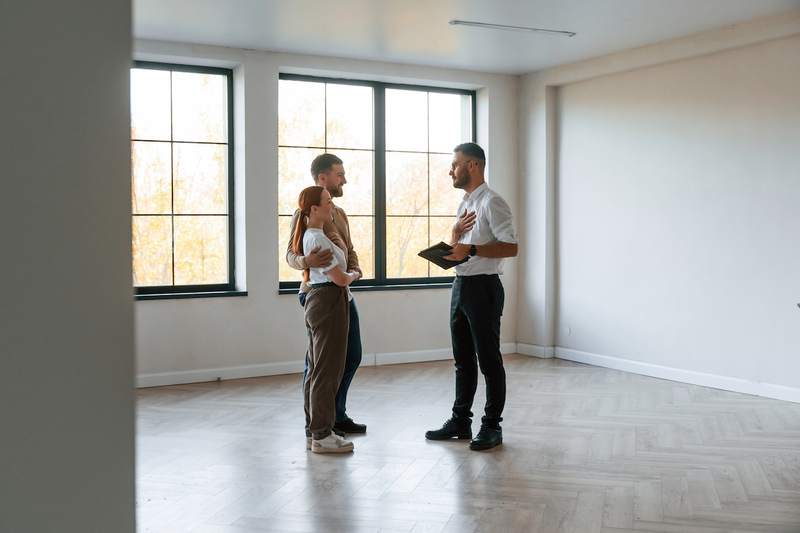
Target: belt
[
  {"x": 478, "y": 276},
  {"x": 320, "y": 285}
]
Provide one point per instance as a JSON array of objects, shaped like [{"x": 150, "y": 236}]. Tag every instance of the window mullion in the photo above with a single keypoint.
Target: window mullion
[
  {"x": 428, "y": 162},
  {"x": 231, "y": 188},
  {"x": 380, "y": 182},
  {"x": 172, "y": 175}
]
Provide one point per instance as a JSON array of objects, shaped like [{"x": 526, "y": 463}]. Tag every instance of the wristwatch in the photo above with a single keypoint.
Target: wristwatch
[{"x": 473, "y": 250}]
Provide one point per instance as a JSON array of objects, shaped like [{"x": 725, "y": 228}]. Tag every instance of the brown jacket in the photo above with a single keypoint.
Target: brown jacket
[{"x": 337, "y": 231}]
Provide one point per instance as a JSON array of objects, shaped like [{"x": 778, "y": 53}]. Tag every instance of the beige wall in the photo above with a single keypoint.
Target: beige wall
[
  {"x": 678, "y": 189},
  {"x": 263, "y": 333},
  {"x": 66, "y": 318}
]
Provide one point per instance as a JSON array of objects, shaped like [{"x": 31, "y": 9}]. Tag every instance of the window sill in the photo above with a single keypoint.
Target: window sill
[
  {"x": 183, "y": 295},
  {"x": 374, "y": 288}
]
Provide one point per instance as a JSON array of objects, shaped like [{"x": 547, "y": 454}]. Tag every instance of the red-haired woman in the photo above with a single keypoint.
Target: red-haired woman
[{"x": 327, "y": 319}]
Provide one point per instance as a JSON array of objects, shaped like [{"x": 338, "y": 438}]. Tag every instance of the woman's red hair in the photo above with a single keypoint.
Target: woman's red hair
[{"x": 309, "y": 197}]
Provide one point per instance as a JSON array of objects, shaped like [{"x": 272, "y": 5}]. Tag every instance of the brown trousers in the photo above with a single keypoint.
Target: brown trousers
[{"x": 327, "y": 320}]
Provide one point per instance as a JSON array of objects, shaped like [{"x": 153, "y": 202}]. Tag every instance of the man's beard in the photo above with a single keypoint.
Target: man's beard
[
  {"x": 460, "y": 182},
  {"x": 336, "y": 192}
]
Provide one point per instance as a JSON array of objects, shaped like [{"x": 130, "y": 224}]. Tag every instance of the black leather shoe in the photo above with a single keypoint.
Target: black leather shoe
[
  {"x": 459, "y": 428},
  {"x": 487, "y": 438},
  {"x": 348, "y": 426}
]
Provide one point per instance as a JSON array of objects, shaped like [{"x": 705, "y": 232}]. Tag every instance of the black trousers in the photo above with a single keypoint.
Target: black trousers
[{"x": 476, "y": 305}]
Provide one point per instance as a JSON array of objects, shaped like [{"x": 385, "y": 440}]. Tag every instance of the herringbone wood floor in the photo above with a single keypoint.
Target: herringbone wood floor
[{"x": 587, "y": 450}]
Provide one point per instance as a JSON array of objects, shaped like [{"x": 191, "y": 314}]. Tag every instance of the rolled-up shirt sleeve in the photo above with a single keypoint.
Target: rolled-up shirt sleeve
[
  {"x": 314, "y": 241},
  {"x": 501, "y": 221}
]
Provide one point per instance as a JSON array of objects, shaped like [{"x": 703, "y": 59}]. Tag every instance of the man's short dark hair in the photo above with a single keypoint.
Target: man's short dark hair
[
  {"x": 323, "y": 163},
  {"x": 471, "y": 150}
]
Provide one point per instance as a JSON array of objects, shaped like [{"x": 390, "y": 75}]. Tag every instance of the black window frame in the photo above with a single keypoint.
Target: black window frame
[
  {"x": 152, "y": 292},
  {"x": 380, "y": 281}
]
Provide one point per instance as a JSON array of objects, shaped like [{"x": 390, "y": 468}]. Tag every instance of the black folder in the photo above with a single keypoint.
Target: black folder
[{"x": 436, "y": 253}]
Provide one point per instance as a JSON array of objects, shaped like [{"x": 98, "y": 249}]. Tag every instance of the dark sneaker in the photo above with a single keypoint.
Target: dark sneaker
[
  {"x": 488, "y": 437},
  {"x": 348, "y": 426},
  {"x": 459, "y": 428}
]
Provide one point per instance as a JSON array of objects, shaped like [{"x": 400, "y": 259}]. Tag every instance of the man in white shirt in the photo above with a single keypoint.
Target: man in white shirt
[{"x": 484, "y": 232}]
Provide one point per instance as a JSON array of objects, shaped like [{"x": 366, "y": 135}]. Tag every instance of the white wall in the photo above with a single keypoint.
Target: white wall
[
  {"x": 536, "y": 308},
  {"x": 66, "y": 318},
  {"x": 262, "y": 333},
  {"x": 678, "y": 214},
  {"x": 658, "y": 202}
]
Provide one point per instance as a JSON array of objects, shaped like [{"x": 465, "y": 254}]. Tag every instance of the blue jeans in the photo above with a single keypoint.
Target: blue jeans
[{"x": 352, "y": 359}]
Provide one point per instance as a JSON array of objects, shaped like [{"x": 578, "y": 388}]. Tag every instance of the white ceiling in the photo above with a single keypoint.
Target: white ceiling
[{"x": 417, "y": 31}]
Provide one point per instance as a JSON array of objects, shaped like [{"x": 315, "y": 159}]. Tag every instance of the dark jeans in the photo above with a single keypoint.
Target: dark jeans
[
  {"x": 476, "y": 306},
  {"x": 351, "y": 363}
]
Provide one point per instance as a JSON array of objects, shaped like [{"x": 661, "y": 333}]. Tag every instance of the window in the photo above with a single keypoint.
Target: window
[
  {"x": 396, "y": 143},
  {"x": 182, "y": 179}
]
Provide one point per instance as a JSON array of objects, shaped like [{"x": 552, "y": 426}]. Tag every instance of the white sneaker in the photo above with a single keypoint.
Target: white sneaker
[
  {"x": 333, "y": 443},
  {"x": 308, "y": 440}
]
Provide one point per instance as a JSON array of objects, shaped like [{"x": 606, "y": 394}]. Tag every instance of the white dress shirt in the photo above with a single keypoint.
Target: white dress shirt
[
  {"x": 493, "y": 223},
  {"x": 314, "y": 237}
]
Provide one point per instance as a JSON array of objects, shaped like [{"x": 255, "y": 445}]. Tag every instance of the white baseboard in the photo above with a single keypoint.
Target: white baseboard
[
  {"x": 212, "y": 374},
  {"x": 508, "y": 347},
  {"x": 767, "y": 390},
  {"x": 535, "y": 350},
  {"x": 442, "y": 354},
  {"x": 234, "y": 372},
  {"x": 293, "y": 367},
  {"x": 393, "y": 358}
]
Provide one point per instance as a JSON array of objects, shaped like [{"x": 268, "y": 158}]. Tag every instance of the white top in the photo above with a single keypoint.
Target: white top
[
  {"x": 314, "y": 237},
  {"x": 493, "y": 223}
]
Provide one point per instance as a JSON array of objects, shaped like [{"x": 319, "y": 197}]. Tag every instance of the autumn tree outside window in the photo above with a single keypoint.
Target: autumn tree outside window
[{"x": 396, "y": 143}]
